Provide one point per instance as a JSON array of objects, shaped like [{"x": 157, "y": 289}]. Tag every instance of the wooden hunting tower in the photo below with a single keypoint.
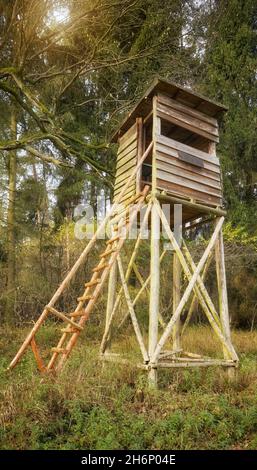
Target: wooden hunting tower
[
  {"x": 166, "y": 155},
  {"x": 182, "y": 163}
]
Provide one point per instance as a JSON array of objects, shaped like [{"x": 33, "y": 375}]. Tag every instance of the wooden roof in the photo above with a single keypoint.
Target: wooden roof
[{"x": 177, "y": 92}]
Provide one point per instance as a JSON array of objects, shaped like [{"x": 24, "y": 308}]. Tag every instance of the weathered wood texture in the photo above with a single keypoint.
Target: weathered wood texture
[
  {"x": 185, "y": 171},
  {"x": 126, "y": 162},
  {"x": 180, "y": 168},
  {"x": 176, "y": 299},
  {"x": 181, "y": 95},
  {"x": 154, "y": 289},
  {"x": 187, "y": 118}
]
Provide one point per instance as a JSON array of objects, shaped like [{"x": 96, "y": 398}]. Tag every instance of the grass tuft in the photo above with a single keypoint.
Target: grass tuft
[{"x": 91, "y": 406}]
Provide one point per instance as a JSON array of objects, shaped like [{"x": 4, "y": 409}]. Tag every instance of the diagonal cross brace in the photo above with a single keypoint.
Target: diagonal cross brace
[
  {"x": 193, "y": 279},
  {"x": 201, "y": 285},
  {"x": 138, "y": 295},
  {"x": 128, "y": 271},
  {"x": 132, "y": 312},
  {"x": 195, "y": 299}
]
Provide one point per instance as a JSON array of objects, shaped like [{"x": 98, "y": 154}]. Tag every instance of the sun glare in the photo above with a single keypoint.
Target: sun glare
[{"x": 58, "y": 15}]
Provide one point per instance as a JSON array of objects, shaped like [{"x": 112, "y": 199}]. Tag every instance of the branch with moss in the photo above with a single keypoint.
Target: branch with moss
[
  {"x": 66, "y": 150},
  {"x": 46, "y": 158},
  {"x": 22, "y": 142},
  {"x": 30, "y": 96},
  {"x": 14, "y": 94},
  {"x": 86, "y": 145}
]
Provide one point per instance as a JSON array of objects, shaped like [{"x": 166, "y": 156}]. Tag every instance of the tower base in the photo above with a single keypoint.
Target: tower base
[{"x": 154, "y": 356}]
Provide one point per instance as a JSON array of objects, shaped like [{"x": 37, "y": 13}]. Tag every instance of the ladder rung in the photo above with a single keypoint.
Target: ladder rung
[
  {"x": 134, "y": 198},
  {"x": 59, "y": 350},
  {"x": 118, "y": 227},
  {"x": 92, "y": 283},
  {"x": 79, "y": 313},
  {"x": 85, "y": 297},
  {"x": 128, "y": 203},
  {"x": 107, "y": 253},
  {"x": 68, "y": 330},
  {"x": 120, "y": 217},
  {"x": 112, "y": 240},
  {"x": 100, "y": 267}
]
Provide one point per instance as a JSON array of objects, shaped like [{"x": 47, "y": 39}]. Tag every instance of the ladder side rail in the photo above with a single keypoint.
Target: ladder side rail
[
  {"x": 76, "y": 266},
  {"x": 98, "y": 289},
  {"x": 80, "y": 305}
]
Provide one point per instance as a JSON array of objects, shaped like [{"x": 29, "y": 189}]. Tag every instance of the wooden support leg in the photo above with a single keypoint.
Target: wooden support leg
[
  {"x": 154, "y": 290},
  {"x": 223, "y": 296},
  {"x": 111, "y": 298},
  {"x": 176, "y": 299}
]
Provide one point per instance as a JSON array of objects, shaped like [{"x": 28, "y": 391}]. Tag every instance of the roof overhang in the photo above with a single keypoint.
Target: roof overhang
[{"x": 181, "y": 94}]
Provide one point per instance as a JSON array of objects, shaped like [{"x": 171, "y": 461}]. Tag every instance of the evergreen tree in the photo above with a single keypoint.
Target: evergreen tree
[{"x": 229, "y": 75}]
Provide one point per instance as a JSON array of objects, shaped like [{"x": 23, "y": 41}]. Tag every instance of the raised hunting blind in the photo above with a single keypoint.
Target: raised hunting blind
[
  {"x": 182, "y": 163},
  {"x": 166, "y": 155}
]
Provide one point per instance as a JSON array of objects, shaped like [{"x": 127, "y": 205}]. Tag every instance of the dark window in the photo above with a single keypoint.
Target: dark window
[{"x": 184, "y": 136}]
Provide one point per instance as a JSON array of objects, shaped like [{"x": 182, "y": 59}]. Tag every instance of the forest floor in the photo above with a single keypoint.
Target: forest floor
[{"x": 111, "y": 407}]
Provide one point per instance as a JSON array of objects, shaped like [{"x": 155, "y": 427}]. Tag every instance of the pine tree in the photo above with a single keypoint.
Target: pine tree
[{"x": 229, "y": 75}]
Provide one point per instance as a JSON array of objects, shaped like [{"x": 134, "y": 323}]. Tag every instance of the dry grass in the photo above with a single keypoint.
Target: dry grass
[{"x": 91, "y": 406}]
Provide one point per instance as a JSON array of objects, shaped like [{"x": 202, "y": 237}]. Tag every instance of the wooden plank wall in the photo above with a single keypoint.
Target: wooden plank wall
[
  {"x": 126, "y": 162},
  {"x": 201, "y": 183},
  {"x": 181, "y": 169},
  {"x": 187, "y": 118}
]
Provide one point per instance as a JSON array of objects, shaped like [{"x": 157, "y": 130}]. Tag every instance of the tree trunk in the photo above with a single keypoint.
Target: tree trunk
[
  {"x": 10, "y": 301},
  {"x": 93, "y": 196}
]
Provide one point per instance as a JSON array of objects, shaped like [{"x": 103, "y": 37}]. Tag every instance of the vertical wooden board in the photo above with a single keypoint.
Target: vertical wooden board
[
  {"x": 131, "y": 131},
  {"x": 154, "y": 290},
  {"x": 111, "y": 296},
  {"x": 155, "y": 133},
  {"x": 126, "y": 162},
  {"x": 222, "y": 288},
  {"x": 140, "y": 150}
]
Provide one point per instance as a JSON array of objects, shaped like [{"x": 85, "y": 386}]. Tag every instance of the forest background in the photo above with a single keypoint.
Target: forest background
[{"x": 69, "y": 72}]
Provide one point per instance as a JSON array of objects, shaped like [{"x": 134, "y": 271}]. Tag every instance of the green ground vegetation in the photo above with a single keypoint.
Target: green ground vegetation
[{"x": 94, "y": 407}]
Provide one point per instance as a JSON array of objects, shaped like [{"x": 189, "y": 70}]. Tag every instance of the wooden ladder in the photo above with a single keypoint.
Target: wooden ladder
[{"x": 92, "y": 289}]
